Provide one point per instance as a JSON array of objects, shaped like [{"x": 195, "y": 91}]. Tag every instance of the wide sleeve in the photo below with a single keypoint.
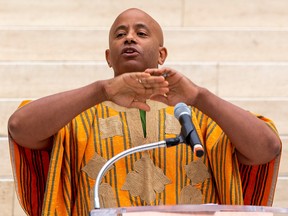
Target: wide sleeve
[
  {"x": 237, "y": 183},
  {"x": 259, "y": 181},
  {"x": 30, "y": 169}
]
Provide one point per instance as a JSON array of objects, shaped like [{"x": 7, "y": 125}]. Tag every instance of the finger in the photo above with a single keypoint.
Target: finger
[
  {"x": 159, "y": 98},
  {"x": 140, "y": 105},
  {"x": 165, "y": 72},
  {"x": 155, "y": 91},
  {"x": 151, "y": 79},
  {"x": 140, "y": 75},
  {"x": 138, "y": 98},
  {"x": 154, "y": 71},
  {"x": 135, "y": 78},
  {"x": 146, "y": 78},
  {"x": 156, "y": 84}
]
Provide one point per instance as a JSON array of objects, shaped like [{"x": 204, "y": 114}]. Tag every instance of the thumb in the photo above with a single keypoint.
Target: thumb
[
  {"x": 159, "y": 98},
  {"x": 140, "y": 105}
]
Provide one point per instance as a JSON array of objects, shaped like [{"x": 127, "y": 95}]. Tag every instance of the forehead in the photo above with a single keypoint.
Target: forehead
[{"x": 134, "y": 18}]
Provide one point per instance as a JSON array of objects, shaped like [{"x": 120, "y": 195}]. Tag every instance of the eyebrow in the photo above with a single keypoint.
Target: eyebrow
[{"x": 142, "y": 25}]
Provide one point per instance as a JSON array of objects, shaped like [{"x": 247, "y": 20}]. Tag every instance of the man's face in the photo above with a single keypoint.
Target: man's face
[{"x": 135, "y": 42}]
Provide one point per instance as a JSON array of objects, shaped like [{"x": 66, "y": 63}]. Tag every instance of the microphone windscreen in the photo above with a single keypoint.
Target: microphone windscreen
[{"x": 180, "y": 109}]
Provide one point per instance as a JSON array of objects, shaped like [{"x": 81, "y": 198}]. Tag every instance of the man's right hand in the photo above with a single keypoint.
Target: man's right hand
[{"x": 133, "y": 89}]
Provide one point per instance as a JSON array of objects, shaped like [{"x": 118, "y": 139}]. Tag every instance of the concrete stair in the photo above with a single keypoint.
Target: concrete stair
[
  {"x": 237, "y": 49},
  {"x": 204, "y": 44},
  {"x": 175, "y": 13}
]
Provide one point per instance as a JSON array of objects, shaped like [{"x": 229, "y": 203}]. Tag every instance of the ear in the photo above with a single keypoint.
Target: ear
[
  {"x": 162, "y": 55},
  {"x": 107, "y": 55}
]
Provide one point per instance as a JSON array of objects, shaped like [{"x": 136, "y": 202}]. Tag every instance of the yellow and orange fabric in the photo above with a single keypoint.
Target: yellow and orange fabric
[{"x": 61, "y": 182}]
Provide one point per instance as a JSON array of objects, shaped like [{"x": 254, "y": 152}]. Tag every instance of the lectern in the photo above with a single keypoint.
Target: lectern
[{"x": 194, "y": 210}]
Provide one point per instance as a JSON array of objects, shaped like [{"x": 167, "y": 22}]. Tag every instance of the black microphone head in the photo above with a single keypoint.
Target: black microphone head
[{"x": 180, "y": 109}]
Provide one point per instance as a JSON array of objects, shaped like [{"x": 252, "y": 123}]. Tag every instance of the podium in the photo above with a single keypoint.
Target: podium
[
  {"x": 194, "y": 210},
  {"x": 174, "y": 210}
]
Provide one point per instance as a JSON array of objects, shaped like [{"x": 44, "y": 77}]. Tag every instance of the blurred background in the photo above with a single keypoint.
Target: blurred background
[{"x": 237, "y": 49}]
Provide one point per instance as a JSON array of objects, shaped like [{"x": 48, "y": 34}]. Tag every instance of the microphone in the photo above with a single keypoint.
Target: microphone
[{"x": 188, "y": 131}]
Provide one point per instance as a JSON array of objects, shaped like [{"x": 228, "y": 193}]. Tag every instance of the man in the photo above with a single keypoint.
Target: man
[{"x": 60, "y": 142}]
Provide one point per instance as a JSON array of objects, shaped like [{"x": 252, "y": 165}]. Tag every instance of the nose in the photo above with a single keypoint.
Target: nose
[{"x": 130, "y": 38}]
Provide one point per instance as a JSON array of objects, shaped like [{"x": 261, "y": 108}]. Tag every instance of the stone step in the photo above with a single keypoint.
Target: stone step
[
  {"x": 233, "y": 80},
  {"x": 5, "y": 163},
  {"x": 7, "y": 197},
  {"x": 283, "y": 171},
  {"x": 9, "y": 203},
  {"x": 221, "y": 13},
  {"x": 225, "y": 13},
  {"x": 272, "y": 109},
  {"x": 281, "y": 196},
  {"x": 188, "y": 44}
]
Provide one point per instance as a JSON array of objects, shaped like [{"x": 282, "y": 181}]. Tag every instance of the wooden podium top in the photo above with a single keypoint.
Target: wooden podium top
[{"x": 196, "y": 210}]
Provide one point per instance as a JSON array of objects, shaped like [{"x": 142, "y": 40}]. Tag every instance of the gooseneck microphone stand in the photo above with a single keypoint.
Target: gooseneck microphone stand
[{"x": 165, "y": 143}]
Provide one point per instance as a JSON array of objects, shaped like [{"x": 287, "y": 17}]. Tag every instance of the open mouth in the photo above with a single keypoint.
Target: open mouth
[{"x": 130, "y": 52}]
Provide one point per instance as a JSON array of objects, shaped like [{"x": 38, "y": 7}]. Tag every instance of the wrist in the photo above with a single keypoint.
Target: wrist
[
  {"x": 102, "y": 90},
  {"x": 200, "y": 98}
]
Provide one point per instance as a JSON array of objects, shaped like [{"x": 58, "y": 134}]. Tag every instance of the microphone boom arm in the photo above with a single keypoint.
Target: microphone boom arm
[{"x": 165, "y": 143}]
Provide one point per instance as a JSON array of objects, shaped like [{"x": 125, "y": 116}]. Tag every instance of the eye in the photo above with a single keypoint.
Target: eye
[
  {"x": 120, "y": 34},
  {"x": 142, "y": 34}
]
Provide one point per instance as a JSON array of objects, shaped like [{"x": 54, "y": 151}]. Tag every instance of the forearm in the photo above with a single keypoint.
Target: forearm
[
  {"x": 32, "y": 125},
  {"x": 255, "y": 142}
]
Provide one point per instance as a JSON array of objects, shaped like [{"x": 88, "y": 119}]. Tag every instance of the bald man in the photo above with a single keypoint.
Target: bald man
[{"x": 60, "y": 142}]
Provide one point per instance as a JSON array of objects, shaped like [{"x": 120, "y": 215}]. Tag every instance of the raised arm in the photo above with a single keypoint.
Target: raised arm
[
  {"x": 255, "y": 142},
  {"x": 34, "y": 124}
]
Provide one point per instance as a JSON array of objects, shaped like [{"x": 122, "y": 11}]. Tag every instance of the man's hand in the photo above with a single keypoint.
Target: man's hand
[
  {"x": 181, "y": 89},
  {"x": 133, "y": 89}
]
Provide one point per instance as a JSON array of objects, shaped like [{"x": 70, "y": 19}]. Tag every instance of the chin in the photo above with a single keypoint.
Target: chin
[{"x": 130, "y": 68}]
